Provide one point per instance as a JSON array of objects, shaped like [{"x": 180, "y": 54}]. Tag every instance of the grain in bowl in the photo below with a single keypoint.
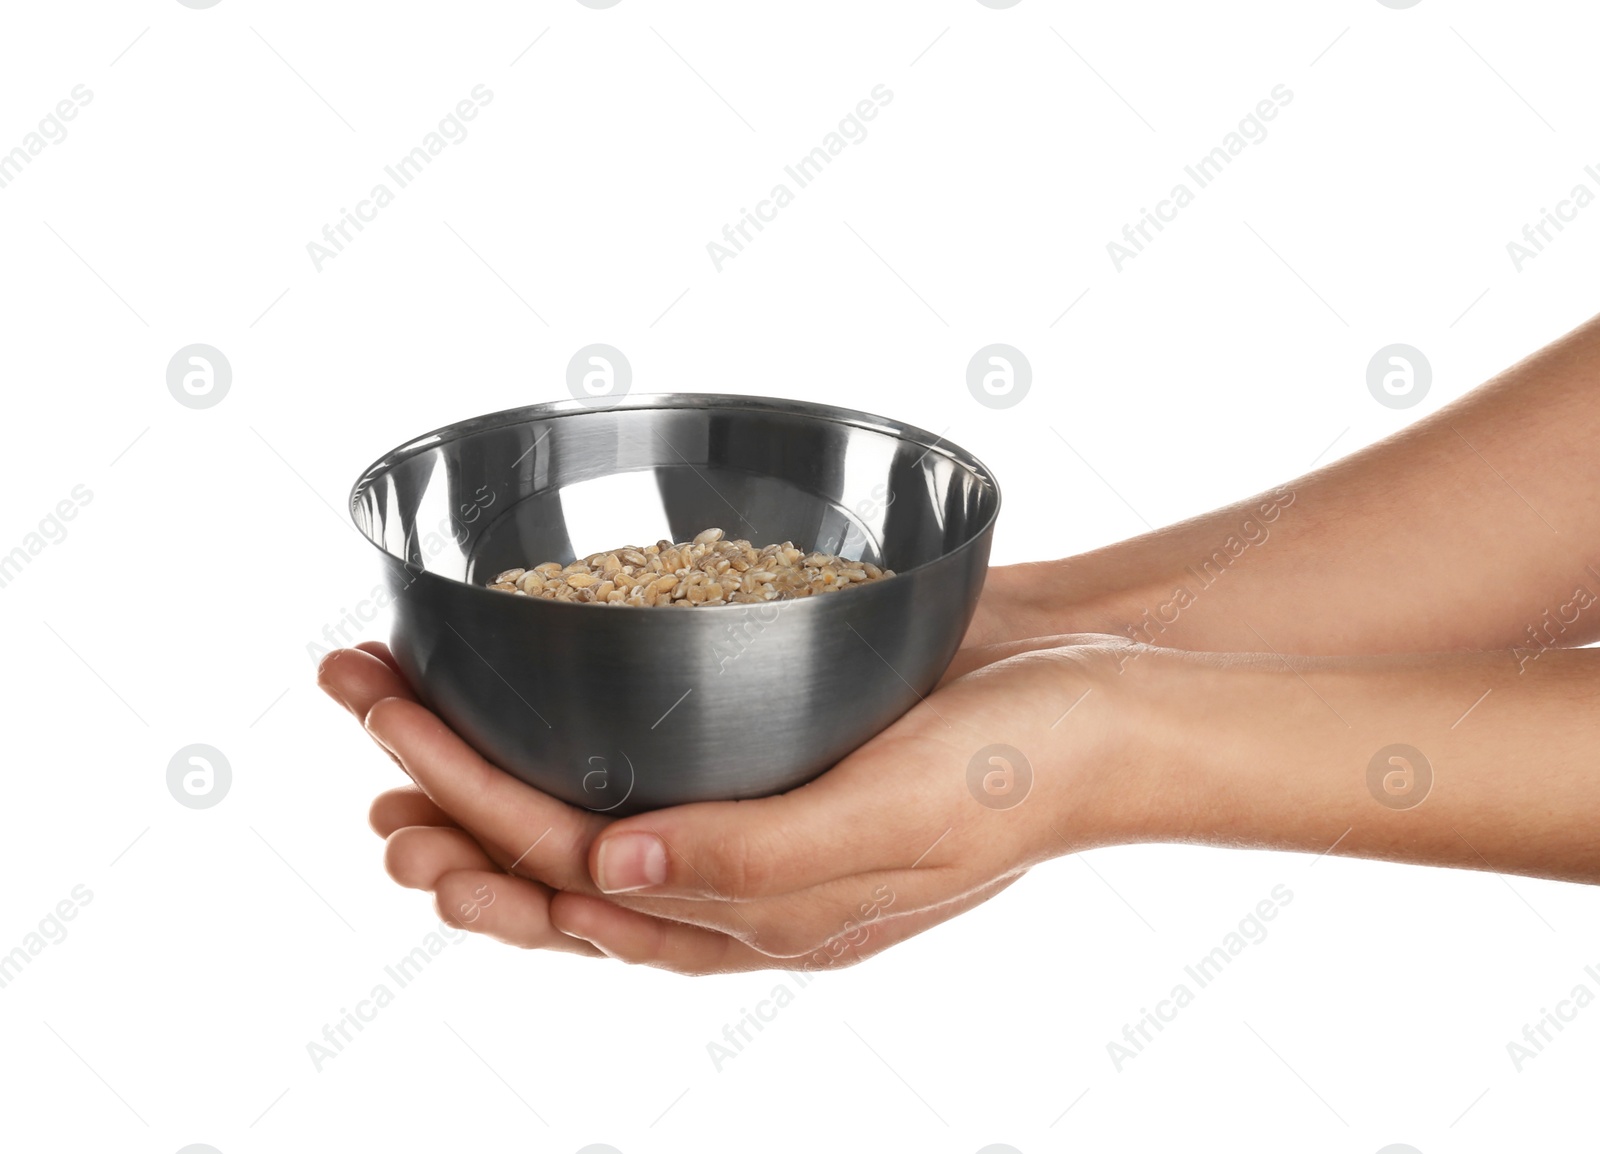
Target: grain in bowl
[{"x": 709, "y": 570}]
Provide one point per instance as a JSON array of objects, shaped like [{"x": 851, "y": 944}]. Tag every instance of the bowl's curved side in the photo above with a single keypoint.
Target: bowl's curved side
[
  {"x": 622, "y": 709},
  {"x": 627, "y": 710},
  {"x": 532, "y": 415}
]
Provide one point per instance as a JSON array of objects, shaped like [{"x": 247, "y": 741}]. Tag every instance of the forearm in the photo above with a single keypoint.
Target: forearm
[
  {"x": 1502, "y": 769},
  {"x": 1472, "y": 529}
]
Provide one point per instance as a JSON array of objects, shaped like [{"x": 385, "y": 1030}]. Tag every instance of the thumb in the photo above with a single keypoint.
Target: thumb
[{"x": 872, "y": 811}]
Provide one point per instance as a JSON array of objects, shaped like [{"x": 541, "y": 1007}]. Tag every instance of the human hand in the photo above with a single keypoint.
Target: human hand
[
  {"x": 897, "y": 837},
  {"x": 1027, "y": 601},
  {"x": 886, "y": 844},
  {"x": 425, "y": 846}
]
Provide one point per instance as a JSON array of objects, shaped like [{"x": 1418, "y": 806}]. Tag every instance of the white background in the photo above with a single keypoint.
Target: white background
[{"x": 1230, "y": 356}]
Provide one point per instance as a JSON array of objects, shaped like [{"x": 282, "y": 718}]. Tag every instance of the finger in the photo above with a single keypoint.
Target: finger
[
  {"x": 639, "y": 939},
  {"x": 406, "y": 805},
  {"x": 547, "y": 838},
  {"x": 417, "y": 856},
  {"x": 833, "y": 827},
  {"x": 381, "y": 651},
  {"x": 795, "y": 924},
  {"x": 356, "y": 678},
  {"x": 882, "y": 808},
  {"x": 511, "y": 910},
  {"x": 859, "y": 944}
]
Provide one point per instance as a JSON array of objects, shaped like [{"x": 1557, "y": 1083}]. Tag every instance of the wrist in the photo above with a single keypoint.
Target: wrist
[
  {"x": 1112, "y": 737},
  {"x": 1179, "y": 748},
  {"x": 1138, "y": 590},
  {"x": 1246, "y": 750},
  {"x": 1048, "y": 599}
]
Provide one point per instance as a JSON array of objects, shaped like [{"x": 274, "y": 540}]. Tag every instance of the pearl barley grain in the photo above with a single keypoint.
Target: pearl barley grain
[{"x": 708, "y": 570}]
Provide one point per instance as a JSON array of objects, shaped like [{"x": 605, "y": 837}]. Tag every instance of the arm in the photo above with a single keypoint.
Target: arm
[
  {"x": 1463, "y": 532},
  {"x": 1460, "y": 532},
  {"x": 1300, "y": 753},
  {"x": 1089, "y": 742},
  {"x": 1228, "y": 750}
]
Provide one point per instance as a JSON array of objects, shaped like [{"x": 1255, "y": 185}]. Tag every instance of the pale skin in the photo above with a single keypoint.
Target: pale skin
[{"x": 1387, "y": 599}]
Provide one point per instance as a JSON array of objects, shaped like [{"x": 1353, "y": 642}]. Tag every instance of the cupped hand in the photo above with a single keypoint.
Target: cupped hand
[
  {"x": 1035, "y": 599},
  {"x": 426, "y": 847},
  {"x": 902, "y": 834},
  {"x": 1002, "y": 768}
]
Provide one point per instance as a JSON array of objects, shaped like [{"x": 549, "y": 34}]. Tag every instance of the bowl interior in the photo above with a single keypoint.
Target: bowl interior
[{"x": 554, "y": 482}]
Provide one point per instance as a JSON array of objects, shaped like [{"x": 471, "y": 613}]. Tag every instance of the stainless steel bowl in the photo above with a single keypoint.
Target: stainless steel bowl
[{"x": 626, "y": 709}]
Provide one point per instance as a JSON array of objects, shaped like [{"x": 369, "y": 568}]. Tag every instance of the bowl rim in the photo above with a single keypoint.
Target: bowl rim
[{"x": 459, "y": 430}]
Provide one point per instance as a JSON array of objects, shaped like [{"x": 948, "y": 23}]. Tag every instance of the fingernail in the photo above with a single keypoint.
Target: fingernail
[
  {"x": 597, "y": 945},
  {"x": 373, "y": 731},
  {"x": 324, "y": 667},
  {"x": 386, "y": 746},
  {"x": 333, "y": 693},
  {"x": 630, "y": 861}
]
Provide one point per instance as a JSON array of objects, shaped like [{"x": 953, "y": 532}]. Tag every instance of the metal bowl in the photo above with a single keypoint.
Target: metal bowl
[{"x": 623, "y": 709}]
